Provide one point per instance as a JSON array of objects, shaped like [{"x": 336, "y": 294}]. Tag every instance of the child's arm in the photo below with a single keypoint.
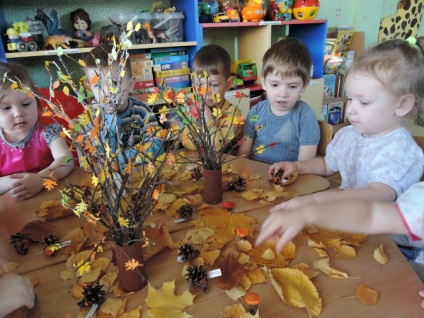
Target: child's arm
[
  {"x": 307, "y": 152},
  {"x": 350, "y": 216},
  {"x": 15, "y": 291},
  {"x": 374, "y": 192},
  {"x": 245, "y": 148}
]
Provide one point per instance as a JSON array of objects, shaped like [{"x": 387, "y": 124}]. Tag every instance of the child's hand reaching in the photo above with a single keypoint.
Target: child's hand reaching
[
  {"x": 25, "y": 185},
  {"x": 288, "y": 169},
  {"x": 294, "y": 203},
  {"x": 15, "y": 292}
]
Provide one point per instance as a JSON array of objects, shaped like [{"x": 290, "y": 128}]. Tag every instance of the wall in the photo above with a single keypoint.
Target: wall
[{"x": 363, "y": 15}]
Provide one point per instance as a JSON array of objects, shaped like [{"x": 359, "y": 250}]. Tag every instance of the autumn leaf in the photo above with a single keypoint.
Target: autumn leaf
[
  {"x": 324, "y": 266},
  {"x": 235, "y": 293},
  {"x": 367, "y": 295},
  {"x": 49, "y": 184},
  {"x": 132, "y": 264},
  {"x": 123, "y": 222},
  {"x": 234, "y": 311},
  {"x": 232, "y": 271},
  {"x": 164, "y": 303},
  {"x": 296, "y": 290},
  {"x": 81, "y": 207},
  {"x": 83, "y": 267},
  {"x": 224, "y": 222},
  {"x": 380, "y": 256}
]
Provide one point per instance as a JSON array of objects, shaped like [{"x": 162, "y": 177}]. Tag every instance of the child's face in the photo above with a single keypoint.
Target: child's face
[
  {"x": 282, "y": 92},
  {"x": 80, "y": 25},
  {"x": 218, "y": 85},
  {"x": 18, "y": 114},
  {"x": 371, "y": 107},
  {"x": 101, "y": 90}
]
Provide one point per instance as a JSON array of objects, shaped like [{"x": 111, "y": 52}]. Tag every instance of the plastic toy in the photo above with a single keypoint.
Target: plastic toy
[
  {"x": 305, "y": 9},
  {"x": 155, "y": 34},
  {"x": 253, "y": 11},
  {"x": 207, "y": 8},
  {"x": 231, "y": 12},
  {"x": 19, "y": 39},
  {"x": 51, "y": 24},
  {"x": 82, "y": 25},
  {"x": 247, "y": 71},
  {"x": 280, "y": 10},
  {"x": 220, "y": 17},
  {"x": 53, "y": 41}
]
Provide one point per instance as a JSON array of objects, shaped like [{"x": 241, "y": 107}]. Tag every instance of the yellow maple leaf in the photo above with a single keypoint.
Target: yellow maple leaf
[
  {"x": 224, "y": 222},
  {"x": 164, "y": 303},
  {"x": 83, "y": 267},
  {"x": 123, "y": 222},
  {"x": 216, "y": 112},
  {"x": 81, "y": 207},
  {"x": 164, "y": 110},
  {"x": 49, "y": 184},
  {"x": 94, "y": 180},
  {"x": 132, "y": 264},
  {"x": 296, "y": 290},
  {"x": 152, "y": 99}
]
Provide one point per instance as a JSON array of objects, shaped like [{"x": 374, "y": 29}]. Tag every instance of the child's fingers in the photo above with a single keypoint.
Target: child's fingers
[{"x": 278, "y": 207}]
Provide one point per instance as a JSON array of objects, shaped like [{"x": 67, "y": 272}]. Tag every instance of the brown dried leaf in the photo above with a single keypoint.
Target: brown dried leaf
[
  {"x": 231, "y": 270},
  {"x": 160, "y": 235},
  {"x": 210, "y": 256},
  {"x": 198, "y": 236},
  {"x": 35, "y": 230},
  {"x": 234, "y": 311},
  {"x": 367, "y": 295},
  {"x": 380, "y": 256},
  {"x": 256, "y": 276},
  {"x": 52, "y": 210},
  {"x": 243, "y": 245},
  {"x": 324, "y": 266},
  {"x": 306, "y": 269},
  {"x": 110, "y": 308}
]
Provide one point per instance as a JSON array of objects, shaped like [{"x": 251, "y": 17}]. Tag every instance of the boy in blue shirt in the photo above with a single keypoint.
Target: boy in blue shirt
[{"x": 282, "y": 128}]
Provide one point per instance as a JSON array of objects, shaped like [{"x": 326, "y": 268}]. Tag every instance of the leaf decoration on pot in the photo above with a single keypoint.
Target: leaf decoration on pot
[
  {"x": 232, "y": 271},
  {"x": 164, "y": 303},
  {"x": 224, "y": 222},
  {"x": 380, "y": 256},
  {"x": 296, "y": 290},
  {"x": 367, "y": 295}
]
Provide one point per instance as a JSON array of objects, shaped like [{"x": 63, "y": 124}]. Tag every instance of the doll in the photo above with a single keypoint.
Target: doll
[{"x": 82, "y": 24}]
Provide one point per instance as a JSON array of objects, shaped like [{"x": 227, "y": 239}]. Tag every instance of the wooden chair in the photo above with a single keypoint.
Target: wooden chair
[{"x": 420, "y": 141}]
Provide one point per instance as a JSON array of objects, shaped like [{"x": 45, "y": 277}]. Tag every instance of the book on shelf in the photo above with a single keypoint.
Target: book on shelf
[
  {"x": 143, "y": 77},
  {"x": 329, "y": 85},
  {"x": 172, "y": 79},
  {"x": 144, "y": 84},
  {"x": 138, "y": 70},
  {"x": 171, "y": 59},
  {"x": 168, "y": 52},
  {"x": 140, "y": 56},
  {"x": 142, "y": 63},
  {"x": 175, "y": 72},
  {"x": 343, "y": 41}
]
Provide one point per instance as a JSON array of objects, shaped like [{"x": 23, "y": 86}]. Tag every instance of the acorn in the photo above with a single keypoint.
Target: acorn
[
  {"x": 252, "y": 299},
  {"x": 242, "y": 232},
  {"x": 20, "y": 242},
  {"x": 238, "y": 184},
  {"x": 93, "y": 294},
  {"x": 187, "y": 252},
  {"x": 196, "y": 276},
  {"x": 185, "y": 211}
]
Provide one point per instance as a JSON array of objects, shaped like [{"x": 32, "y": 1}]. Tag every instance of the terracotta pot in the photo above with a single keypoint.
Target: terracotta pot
[
  {"x": 130, "y": 280},
  {"x": 212, "y": 192}
]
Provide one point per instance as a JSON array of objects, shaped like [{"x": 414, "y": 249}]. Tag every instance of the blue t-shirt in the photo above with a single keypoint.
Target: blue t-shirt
[{"x": 287, "y": 133}]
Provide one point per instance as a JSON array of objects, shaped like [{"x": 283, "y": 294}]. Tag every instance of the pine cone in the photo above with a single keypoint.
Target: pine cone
[
  {"x": 238, "y": 184},
  {"x": 20, "y": 242},
  {"x": 46, "y": 241},
  {"x": 187, "y": 252},
  {"x": 196, "y": 174},
  {"x": 93, "y": 294},
  {"x": 196, "y": 276},
  {"x": 185, "y": 212}
]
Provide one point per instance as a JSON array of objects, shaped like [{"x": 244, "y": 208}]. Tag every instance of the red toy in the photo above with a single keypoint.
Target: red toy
[{"x": 305, "y": 9}]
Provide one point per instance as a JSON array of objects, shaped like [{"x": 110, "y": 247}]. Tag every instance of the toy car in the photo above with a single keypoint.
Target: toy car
[
  {"x": 247, "y": 71},
  {"x": 220, "y": 17}
]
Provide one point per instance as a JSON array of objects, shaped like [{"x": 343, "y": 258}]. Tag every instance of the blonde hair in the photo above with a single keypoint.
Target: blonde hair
[
  {"x": 399, "y": 66},
  {"x": 9, "y": 73}
]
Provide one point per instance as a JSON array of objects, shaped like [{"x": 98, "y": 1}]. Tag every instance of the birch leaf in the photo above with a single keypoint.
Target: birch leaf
[
  {"x": 296, "y": 290},
  {"x": 235, "y": 293},
  {"x": 367, "y": 295},
  {"x": 346, "y": 251},
  {"x": 380, "y": 256},
  {"x": 324, "y": 266}
]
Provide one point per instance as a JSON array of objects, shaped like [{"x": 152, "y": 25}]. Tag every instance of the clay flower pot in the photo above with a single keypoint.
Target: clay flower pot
[
  {"x": 212, "y": 192},
  {"x": 130, "y": 279}
]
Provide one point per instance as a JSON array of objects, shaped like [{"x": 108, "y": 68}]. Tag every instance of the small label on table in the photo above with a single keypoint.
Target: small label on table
[{"x": 214, "y": 273}]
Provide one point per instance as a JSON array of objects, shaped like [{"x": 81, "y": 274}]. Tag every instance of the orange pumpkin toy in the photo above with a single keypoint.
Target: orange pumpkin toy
[
  {"x": 305, "y": 9},
  {"x": 253, "y": 11}
]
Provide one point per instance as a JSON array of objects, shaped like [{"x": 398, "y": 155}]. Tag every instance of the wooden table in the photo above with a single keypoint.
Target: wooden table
[{"x": 397, "y": 282}]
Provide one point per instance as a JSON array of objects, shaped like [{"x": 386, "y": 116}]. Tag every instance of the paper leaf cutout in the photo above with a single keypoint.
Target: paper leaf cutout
[
  {"x": 49, "y": 184},
  {"x": 380, "y": 256},
  {"x": 367, "y": 295},
  {"x": 132, "y": 264},
  {"x": 324, "y": 266},
  {"x": 296, "y": 290},
  {"x": 232, "y": 271},
  {"x": 164, "y": 303},
  {"x": 224, "y": 222}
]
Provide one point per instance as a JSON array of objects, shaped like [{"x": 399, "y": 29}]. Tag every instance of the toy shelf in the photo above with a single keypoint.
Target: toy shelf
[
  {"x": 250, "y": 24},
  {"x": 88, "y": 49}
]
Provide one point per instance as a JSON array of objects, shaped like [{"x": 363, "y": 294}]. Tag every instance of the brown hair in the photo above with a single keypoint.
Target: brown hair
[
  {"x": 288, "y": 57},
  {"x": 213, "y": 59},
  {"x": 10, "y": 72},
  {"x": 81, "y": 14},
  {"x": 399, "y": 66}
]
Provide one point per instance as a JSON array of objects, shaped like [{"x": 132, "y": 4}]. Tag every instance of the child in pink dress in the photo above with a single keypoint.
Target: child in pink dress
[{"x": 29, "y": 152}]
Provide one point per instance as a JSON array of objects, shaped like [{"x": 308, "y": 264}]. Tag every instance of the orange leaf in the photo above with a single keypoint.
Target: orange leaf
[
  {"x": 49, "y": 184},
  {"x": 47, "y": 113},
  {"x": 132, "y": 264},
  {"x": 94, "y": 80},
  {"x": 367, "y": 295}
]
